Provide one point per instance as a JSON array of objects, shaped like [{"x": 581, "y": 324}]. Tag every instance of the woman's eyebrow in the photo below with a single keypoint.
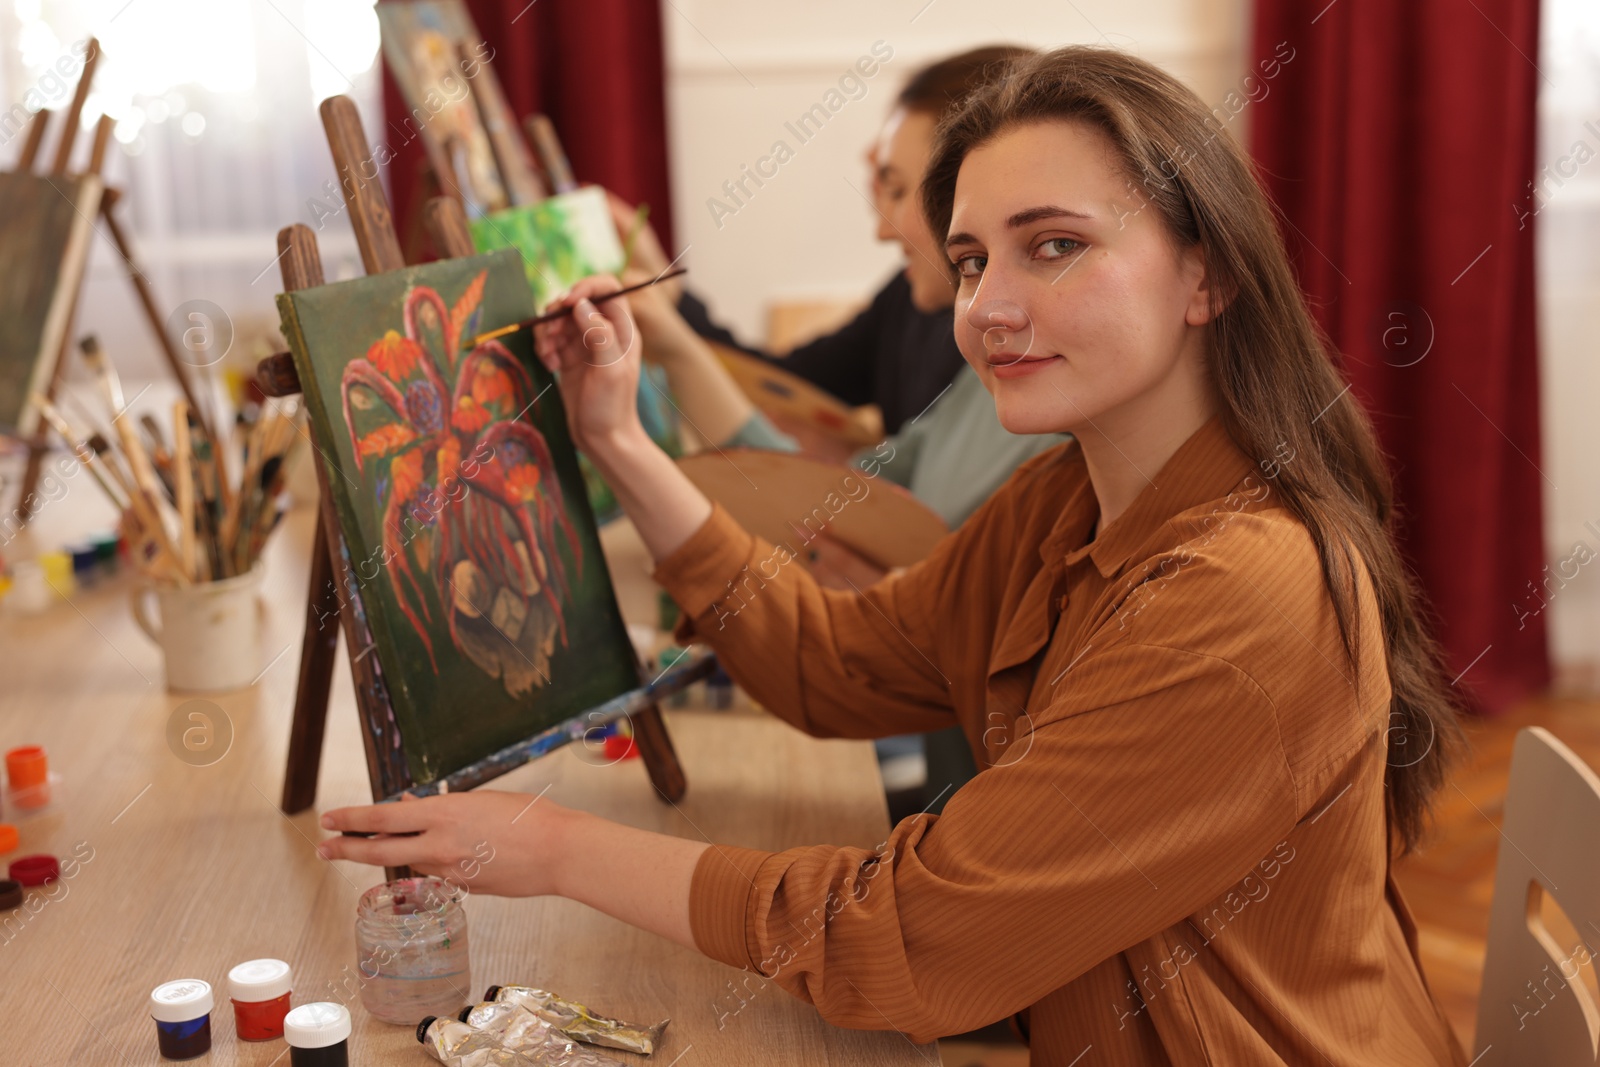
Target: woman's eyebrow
[
  {"x": 1039, "y": 214},
  {"x": 1023, "y": 218}
]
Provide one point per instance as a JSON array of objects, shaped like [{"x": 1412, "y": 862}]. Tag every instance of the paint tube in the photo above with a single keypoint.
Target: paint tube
[
  {"x": 579, "y": 1023},
  {"x": 455, "y": 1044},
  {"x": 520, "y": 1030}
]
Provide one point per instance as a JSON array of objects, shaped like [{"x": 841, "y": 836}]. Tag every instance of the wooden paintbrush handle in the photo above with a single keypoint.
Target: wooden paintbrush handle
[{"x": 183, "y": 467}]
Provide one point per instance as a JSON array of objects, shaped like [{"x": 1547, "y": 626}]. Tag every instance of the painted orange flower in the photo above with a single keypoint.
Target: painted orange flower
[
  {"x": 524, "y": 482},
  {"x": 469, "y": 494},
  {"x": 396, "y": 356}
]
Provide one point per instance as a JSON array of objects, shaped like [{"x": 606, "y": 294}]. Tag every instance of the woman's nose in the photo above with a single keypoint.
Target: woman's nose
[
  {"x": 1006, "y": 326},
  {"x": 886, "y": 230}
]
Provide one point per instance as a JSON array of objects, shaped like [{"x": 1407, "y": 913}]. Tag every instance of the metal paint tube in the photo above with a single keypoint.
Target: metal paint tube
[
  {"x": 578, "y": 1022},
  {"x": 517, "y": 1028},
  {"x": 455, "y": 1044}
]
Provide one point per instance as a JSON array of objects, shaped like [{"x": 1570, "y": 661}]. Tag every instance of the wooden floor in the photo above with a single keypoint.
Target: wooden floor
[{"x": 1448, "y": 884}]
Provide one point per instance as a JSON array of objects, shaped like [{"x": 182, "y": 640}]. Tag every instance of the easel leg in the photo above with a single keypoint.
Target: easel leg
[
  {"x": 660, "y": 758},
  {"x": 40, "y": 444},
  {"x": 415, "y": 245},
  {"x": 30, "y": 480},
  {"x": 318, "y": 652}
]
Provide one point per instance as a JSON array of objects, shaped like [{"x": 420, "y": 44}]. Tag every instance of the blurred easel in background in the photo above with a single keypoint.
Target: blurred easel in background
[{"x": 90, "y": 200}]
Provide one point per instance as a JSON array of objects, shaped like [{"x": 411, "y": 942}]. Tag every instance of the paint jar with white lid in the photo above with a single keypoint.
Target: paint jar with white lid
[
  {"x": 182, "y": 1011},
  {"x": 318, "y": 1035},
  {"x": 260, "y": 990}
]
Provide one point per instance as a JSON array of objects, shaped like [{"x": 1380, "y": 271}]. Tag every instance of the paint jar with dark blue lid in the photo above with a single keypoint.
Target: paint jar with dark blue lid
[
  {"x": 182, "y": 1011},
  {"x": 318, "y": 1035}
]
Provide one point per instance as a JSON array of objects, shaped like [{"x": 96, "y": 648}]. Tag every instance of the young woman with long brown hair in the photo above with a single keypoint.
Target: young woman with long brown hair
[{"x": 1183, "y": 648}]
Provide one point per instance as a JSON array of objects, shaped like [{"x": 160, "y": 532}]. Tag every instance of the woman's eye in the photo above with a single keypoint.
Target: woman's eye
[
  {"x": 1058, "y": 247},
  {"x": 971, "y": 266}
]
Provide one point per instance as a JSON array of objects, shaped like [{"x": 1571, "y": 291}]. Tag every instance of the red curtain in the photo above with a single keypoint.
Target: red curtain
[
  {"x": 596, "y": 67},
  {"x": 1398, "y": 139}
]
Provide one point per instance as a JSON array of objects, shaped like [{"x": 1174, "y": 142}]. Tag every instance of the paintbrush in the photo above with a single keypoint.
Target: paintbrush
[
  {"x": 106, "y": 456},
  {"x": 85, "y": 416},
  {"x": 160, "y": 457},
  {"x": 104, "y": 372},
  {"x": 95, "y": 454},
  {"x": 147, "y": 501},
  {"x": 237, "y": 508},
  {"x": 80, "y": 448},
  {"x": 245, "y": 530},
  {"x": 210, "y": 507},
  {"x": 262, "y": 506},
  {"x": 552, "y": 316},
  {"x": 183, "y": 462},
  {"x": 158, "y": 440}
]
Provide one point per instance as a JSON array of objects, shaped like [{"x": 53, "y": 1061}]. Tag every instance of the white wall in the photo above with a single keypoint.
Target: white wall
[{"x": 736, "y": 72}]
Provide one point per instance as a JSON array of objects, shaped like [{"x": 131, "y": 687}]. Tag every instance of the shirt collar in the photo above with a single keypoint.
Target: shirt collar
[{"x": 1205, "y": 467}]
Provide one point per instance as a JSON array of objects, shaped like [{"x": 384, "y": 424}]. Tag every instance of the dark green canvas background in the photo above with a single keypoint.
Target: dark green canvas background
[{"x": 462, "y": 714}]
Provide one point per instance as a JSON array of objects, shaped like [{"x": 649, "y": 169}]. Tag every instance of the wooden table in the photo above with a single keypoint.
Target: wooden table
[{"x": 194, "y": 869}]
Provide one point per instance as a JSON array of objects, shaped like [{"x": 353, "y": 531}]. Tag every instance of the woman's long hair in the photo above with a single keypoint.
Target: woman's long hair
[{"x": 1272, "y": 368}]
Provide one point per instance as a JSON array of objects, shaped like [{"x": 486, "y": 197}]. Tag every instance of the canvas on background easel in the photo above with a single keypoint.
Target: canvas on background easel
[
  {"x": 332, "y": 595},
  {"x": 57, "y": 230},
  {"x": 474, "y": 155}
]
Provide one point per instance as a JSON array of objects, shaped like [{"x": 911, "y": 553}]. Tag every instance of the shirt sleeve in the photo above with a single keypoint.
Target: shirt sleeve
[
  {"x": 1152, "y": 782},
  {"x": 904, "y": 655},
  {"x": 870, "y": 657}
]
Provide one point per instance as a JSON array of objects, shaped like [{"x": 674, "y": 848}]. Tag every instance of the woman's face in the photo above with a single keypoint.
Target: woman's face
[
  {"x": 1074, "y": 304},
  {"x": 901, "y": 156}
]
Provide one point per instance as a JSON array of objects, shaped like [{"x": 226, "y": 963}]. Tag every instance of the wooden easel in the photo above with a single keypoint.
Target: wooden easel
[
  {"x": 301, "y": 268},
  {"x": 108, "y": 201}
]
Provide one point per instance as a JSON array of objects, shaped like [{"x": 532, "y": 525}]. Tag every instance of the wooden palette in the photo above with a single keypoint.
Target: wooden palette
[
  {"x": 785, "y": 398},
  {"x": 789, "y": 499}
]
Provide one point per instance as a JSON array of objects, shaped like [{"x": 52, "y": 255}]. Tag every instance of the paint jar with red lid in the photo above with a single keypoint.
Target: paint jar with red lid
[{"x": 259, "y": 990}]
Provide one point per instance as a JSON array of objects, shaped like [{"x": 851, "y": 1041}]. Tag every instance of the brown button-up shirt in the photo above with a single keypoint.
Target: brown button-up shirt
[{"x": 1175, "y": 850}]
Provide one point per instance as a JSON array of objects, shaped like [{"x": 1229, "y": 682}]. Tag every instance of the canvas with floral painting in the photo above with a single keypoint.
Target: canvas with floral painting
[{"x": 463, "y": 510}]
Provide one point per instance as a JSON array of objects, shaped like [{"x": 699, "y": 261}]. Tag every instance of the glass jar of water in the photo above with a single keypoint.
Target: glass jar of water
[{"x": 411, "y": 946}]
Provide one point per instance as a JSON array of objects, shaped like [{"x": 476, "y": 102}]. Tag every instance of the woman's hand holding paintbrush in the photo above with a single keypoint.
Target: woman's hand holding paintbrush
[{"x": 593, "y": 348}]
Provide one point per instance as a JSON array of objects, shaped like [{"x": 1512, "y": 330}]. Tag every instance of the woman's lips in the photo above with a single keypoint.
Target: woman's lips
[{"x": 1005, "y": 367}]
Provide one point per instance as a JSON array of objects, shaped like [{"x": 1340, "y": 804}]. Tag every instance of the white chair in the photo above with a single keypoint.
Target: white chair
[{"x": 1534, "y": 1009}]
